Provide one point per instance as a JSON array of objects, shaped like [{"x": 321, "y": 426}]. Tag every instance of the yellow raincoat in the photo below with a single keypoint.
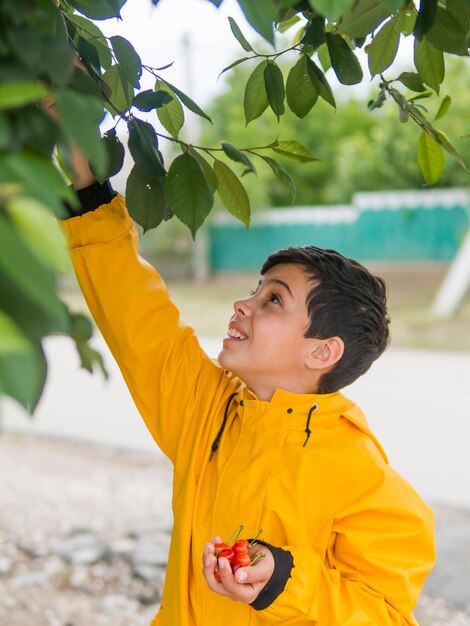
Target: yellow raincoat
[{"x": 360, "y": 536}]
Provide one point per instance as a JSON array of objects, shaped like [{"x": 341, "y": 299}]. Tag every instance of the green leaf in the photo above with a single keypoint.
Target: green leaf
[
  {"x": 392, "y": 5},
  {"x": 232, "y": 193},
  {"x": 324, "y": 57},
  {"x": 239, "y": 36},
  {"x": 115, "y": 153},
  {"x": 92, "y": 33},
  {"x": 38, "y": 179},
  {"x": 79, "y": 117},
  {"x": 5, "y": 132},
  {"x": 261, "y": 15},
  {"x": 443, "y": 140},
  {"x": 143, "y": 146},
  {"x": 364, "y": 18},
  {"x": 302, "y": 93},
  {"x": 322, "y": 85},
  {"x": 34, "y": 322},
  {"x": 237, "y": 155},
  {"x": 286, "y": 24},
  {"x": 12, "y": 340},
  {"x": 130, "y": 65},
  {"x": 30, "y": 277},
  {"x": 186, "y": 100},
  {"x": 17, "y": 94},
  {"x": 256, "y": 98},
  {"x": 57, "y": 55},
  {"x": 81, "y": 328},
  {"x": 465, "y": 4},
  {"x": 171, "y": 115},
  {"x": 234, "y": 64},
  {"x": 384, "y": 47},
  {"x": 274, "y": 84},
  {"x": 444, "y": 107},
  {"x": 315, "y": 33},
  {"x": 332, "y": 9},
  {"x": 39, "y": 230},
  {"x": 448, "y": 34},
  {"x": 425, "y": 19},
  {"x": 81, "y": 332},
  {"x": 208, "y": 171},
  {"x": 98, "y": 9},
  {"x": 25, "y": 43},
  {"x": 121, "y": 92},
  {"x": 148, "y": 100},
  {"x": 89, "y": 56},
  {"x": 281, "y": 174},
  {"x": 412, "y": 81},
  {"x": 430, "y": 158},
  {"x": 429, "y": 61},
  {"x": 145, "y": 198},
  {"x": 294, "y": 151},
  {"x": 21, "y": 370},
  {"x": 407, "y": 19},
  {"x": 343, "y": 60},
  {"x": 461, "y": 13},
  {"x": 83, "y": 83},
  {"x": 187, "y": 190},
  {"x": 89, "y": 358}
]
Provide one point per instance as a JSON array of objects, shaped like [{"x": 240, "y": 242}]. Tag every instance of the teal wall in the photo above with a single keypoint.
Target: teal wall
[{"x": 390, "y": 234}]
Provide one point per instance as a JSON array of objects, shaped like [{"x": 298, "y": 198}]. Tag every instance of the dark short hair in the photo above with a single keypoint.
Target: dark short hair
[{"x": 345, "y": 301}]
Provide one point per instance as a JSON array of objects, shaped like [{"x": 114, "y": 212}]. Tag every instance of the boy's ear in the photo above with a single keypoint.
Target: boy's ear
[{"x": 325, "y": 353}]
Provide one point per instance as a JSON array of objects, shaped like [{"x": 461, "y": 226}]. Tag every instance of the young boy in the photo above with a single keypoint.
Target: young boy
[{"x": 263, "y": 437}]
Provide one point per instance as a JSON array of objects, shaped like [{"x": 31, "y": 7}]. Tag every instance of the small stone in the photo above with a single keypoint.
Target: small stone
[
  {"x": 123, "y": 548},
  {"x": 33, "y": 579},
  {"x": 80, "y": 549},
  {"x": 150, "y": 573},
  {"x": 5, "y": 566},
  {"x": 150, "y": 553}
]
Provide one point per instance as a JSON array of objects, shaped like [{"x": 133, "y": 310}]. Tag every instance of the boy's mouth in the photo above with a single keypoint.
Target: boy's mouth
[{"x": 235, "y": 332}]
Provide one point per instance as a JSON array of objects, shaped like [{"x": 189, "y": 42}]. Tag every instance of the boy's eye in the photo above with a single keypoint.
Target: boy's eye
[{"x": 275, "y": 298}]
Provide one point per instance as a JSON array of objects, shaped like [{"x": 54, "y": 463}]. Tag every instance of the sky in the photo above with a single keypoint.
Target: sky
[{"x": 158, "y": 34}]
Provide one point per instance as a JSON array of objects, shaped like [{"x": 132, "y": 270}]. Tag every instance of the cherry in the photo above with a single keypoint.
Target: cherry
[
  {"x": 240, "y": 546},
  {"x": 238, "y": 555}
]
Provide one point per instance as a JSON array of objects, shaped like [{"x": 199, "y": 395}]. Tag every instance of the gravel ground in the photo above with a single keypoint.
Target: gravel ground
[{"x": 84, "y": 533}]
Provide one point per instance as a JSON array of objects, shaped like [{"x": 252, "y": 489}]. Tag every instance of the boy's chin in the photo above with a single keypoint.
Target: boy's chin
[{"x": 227, "y": 362}]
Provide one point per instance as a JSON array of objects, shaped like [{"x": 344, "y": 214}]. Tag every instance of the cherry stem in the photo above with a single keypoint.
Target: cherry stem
[
  {"x": 258, "y": 556},
  {"x": 253, "y": 541},
  {"x": 236, "y": 534}
]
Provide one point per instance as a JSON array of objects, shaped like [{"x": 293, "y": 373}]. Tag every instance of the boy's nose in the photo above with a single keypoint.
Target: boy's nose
[{"x": 241, "y": 307}]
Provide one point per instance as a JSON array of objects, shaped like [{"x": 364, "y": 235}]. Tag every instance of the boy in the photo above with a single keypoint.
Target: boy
[{"x": 264, "y": 437}]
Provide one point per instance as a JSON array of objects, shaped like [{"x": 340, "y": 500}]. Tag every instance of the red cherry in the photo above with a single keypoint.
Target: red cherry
[
  {"x": 220, "y": 546},
  {"x": 242, "y": 560},
  {"x": 240, "y": 546},
  {"x": 228, "y": 553}
]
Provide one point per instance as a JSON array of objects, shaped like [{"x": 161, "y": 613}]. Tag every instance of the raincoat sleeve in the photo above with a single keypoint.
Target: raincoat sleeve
[
  {"x": 160, "y": 358},
  {"x": 377, "y": 560}
]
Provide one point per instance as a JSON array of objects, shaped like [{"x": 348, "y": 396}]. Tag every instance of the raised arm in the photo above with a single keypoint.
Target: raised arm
[{"x": 167, "y": 372}]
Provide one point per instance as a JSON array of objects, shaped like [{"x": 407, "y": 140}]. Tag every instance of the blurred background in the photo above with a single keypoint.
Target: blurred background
[{"x": 85, "y": 495}]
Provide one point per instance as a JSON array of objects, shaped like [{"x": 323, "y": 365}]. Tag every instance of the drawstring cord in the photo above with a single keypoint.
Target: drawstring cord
[
  {"x": 313, "y": 408},
  {"x": 216, "y": 441}
]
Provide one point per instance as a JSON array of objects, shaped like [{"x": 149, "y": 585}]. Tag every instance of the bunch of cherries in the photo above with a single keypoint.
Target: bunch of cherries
[{"x": 239, "y": 554}]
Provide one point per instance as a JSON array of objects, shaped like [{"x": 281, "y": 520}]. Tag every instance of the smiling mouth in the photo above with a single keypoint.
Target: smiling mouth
[{"x": 235, "y": 334}]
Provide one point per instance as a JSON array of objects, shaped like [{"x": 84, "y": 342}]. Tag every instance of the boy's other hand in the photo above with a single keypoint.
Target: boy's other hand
[{"x": 247, "y": 582}]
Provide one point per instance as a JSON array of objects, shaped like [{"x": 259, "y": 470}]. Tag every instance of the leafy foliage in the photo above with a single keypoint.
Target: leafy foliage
[{"x": 39, "y": 43}]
